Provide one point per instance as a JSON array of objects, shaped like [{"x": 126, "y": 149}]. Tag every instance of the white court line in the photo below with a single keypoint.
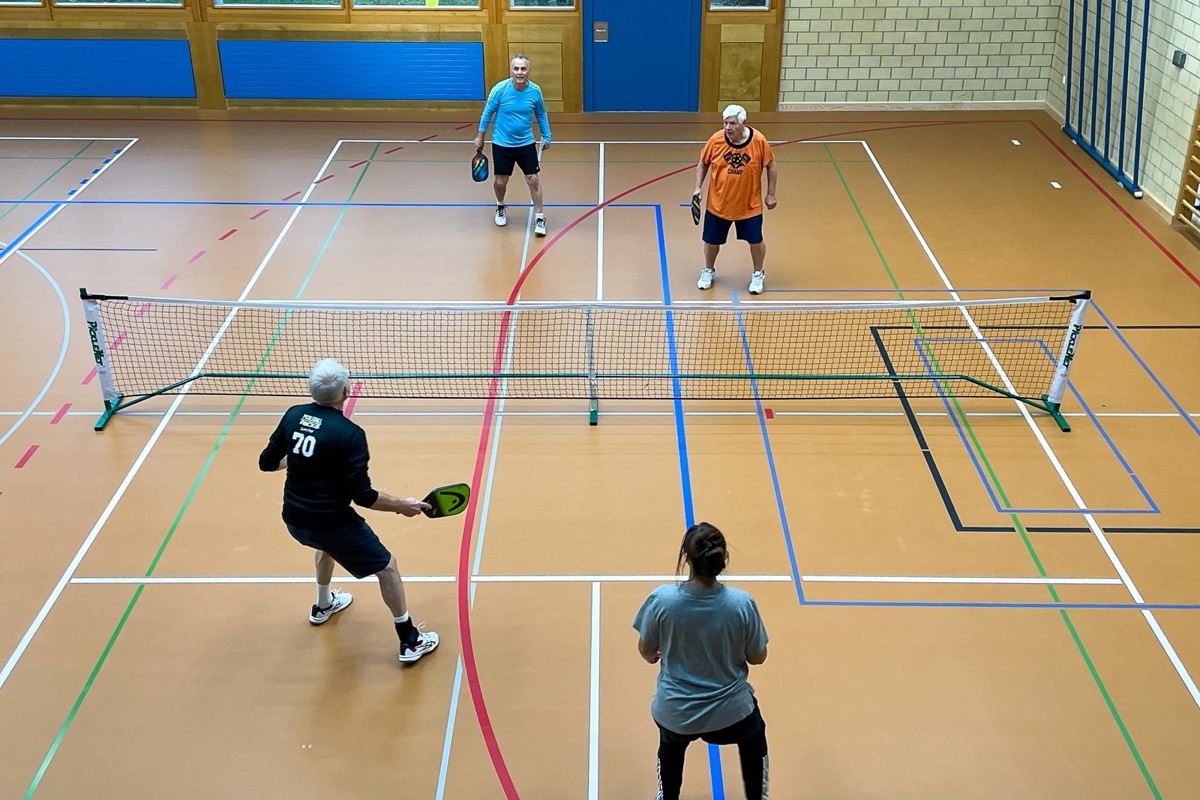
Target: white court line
[
  {"x": 16, "y": 244},
  {"x": 599, "y": 579},
  {"x": 69, "y": 572},
  {"x": 600, "y": 228},
  {"x": 459, "y": 143},
  {"x": 62, "y": 350},
  {"x": 484, "y": 507},
  {"x": 594, "y": 700},
  {"x": 68, "y": 139},
  {"x": 1098, "y": 531}
]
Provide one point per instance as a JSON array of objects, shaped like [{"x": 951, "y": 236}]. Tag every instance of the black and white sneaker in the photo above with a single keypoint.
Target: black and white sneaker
[
  {"x": 426, "y": 642},
  {"x": 501, "y": 216},
  {"x": 340, "y": 601}
]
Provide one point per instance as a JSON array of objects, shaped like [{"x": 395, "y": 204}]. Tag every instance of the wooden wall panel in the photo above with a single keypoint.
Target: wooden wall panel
[{"x": 741, "y": 74}]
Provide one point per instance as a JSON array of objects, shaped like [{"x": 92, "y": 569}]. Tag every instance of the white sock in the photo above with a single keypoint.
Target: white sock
[
  {"x": 324, "y": 596},
  {"x": 400, "y": 619},
  {"x": 539, "y": 216}
]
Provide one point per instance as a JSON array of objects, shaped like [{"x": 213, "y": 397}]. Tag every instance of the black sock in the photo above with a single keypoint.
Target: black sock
[{"x": 407, "y": 632}]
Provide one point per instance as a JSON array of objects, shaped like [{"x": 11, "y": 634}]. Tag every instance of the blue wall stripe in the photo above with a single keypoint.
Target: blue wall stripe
[
  {"x": 96, "y": 68},
  {"x": 296, "y": 70}
]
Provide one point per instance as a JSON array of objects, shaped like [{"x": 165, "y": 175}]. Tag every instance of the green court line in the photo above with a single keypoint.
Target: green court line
[
  {"x": 1029, "y": 548},
  {"x": 50, "y": 177},
  {"x": 187, "y": 502}
]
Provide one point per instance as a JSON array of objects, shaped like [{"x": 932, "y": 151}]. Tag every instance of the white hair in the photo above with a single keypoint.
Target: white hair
[
  {"x": 734, "y": 111},
  {"x": 328, "y": 381}
]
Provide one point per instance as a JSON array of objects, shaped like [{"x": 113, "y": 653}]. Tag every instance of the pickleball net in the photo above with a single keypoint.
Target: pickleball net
[{"x": 1016, "y": 347}]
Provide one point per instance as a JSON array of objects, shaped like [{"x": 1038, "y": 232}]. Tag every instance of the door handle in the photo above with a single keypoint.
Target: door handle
[{"x": 599, "y": 31}]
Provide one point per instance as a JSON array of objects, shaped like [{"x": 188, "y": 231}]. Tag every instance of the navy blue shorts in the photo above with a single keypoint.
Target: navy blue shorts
[
  {"x": 525, "y": 157},
  {"x": 355, "y": 547},
  {"x": 716, "y": 229}
]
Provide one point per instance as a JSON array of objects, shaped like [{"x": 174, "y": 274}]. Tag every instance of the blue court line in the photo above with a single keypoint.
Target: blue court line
[
  {"x": 948, "y": 501},
  {"x": 984, "y": 604},
  {"x": 766, "y": 437},
  {"x": 1000, "y": 507},
  {"x": 689, "y": 512},
  {"x": 1121, "y": 338}
]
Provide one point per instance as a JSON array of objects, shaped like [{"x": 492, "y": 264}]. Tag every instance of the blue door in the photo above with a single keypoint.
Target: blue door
[{"x": 641, "y": 55}]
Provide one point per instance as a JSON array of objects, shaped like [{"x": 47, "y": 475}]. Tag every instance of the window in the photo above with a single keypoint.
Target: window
[
  {"x": 143, "y": 3},
  {"x": 560, "y": 4},
  {"x": 438, "y": 4},
  {"x": 278, "y": 3},
  {"x": 718, "y": 5}
]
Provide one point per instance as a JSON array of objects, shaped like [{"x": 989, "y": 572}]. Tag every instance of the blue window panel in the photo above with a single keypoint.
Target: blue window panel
[
  {"x": 297, "y": 70},
  {"x": 96, "y": 68}
]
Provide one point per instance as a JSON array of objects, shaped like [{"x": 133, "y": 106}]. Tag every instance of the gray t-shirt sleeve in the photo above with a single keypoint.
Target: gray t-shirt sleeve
[
  {"x": 756, "y": 641},
  {"x": 645, "y": 622}
]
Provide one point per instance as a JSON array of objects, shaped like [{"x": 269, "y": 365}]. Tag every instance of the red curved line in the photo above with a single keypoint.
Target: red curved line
[
  {"x": 1118, "y": 206},
  {"x": 489, "y": 415}
]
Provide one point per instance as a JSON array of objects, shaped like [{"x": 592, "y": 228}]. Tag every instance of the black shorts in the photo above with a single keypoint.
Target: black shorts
[
  {"x": 525, "y": 157},
  {"x": 355, "y": 547},
  {"x": 716, "y": 229}
]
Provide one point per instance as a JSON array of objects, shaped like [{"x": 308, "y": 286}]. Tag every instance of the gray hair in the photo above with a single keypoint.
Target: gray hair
[
  {"x": 523, "y": 57},
  {"x": 328, "y": 381},
  {"x": 734, "y": 111}
]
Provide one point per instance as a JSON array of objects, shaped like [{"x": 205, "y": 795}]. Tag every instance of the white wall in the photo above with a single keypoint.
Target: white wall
[{"x": 986, "y": 54}]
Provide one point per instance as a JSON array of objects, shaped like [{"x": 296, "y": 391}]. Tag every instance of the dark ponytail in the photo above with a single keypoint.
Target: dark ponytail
[{"x": 703, "y": 550}]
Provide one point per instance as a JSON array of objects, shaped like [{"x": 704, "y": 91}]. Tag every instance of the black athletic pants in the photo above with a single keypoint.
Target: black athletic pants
[{"x": 750, "y": 736}]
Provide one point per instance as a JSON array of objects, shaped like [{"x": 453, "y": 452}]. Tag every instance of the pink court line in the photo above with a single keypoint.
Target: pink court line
[
  {"x": 394, "y": 149},
  {"x": 353, "y": 399},
  {"x": 144, "y": 308},
  {"x": 359, "y": 164},
  {"x": 460, "y": 127},
  {"x": 259, "y": 214},
  {"x": 62, "y": 412},
  {"x": 232, "y": 231},
  {"x": 117, "y": 342},
  {"x": 28, "y": 455},
  {"x": 768, "y": 413},
  {"x": 170, "y": 280},
  {"x": 427, "y": 138},
  {"x": 290, "y": 196},
  {"x": 322, "y": 180},
  {"x": 199, "y": 255},
  {"x": 89, "y": 377}
]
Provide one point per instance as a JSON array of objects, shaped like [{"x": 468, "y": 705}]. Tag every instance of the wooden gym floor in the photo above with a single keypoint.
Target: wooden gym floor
[{"x": 976, "y": 607}]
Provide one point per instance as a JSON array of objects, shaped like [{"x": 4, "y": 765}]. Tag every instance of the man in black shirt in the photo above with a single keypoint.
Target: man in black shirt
[{"x": 326, "y": 457}]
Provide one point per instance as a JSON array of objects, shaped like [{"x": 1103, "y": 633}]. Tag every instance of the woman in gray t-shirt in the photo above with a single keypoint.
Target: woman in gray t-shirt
[{"x": 707, "y": 635}]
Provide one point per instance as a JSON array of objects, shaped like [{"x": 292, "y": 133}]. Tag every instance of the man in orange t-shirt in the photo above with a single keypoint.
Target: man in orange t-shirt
[{"x": 737, "y": 157}]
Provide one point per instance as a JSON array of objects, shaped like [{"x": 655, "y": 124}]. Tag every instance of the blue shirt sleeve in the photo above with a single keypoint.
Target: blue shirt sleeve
[
  {"x": 490, "y": 107},
  {"x": 543, "y": 121}
]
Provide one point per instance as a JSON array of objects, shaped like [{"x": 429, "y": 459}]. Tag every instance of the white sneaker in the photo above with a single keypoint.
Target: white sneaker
[
  {"x": 756, "y": 281},
  {"x": 706, "y": 278},
  {"x": 501, "y": 218},
  {"x": 426, "y": 643},
  {"x": 539, "y": 226},
  {"x": 340, "y": 601}
]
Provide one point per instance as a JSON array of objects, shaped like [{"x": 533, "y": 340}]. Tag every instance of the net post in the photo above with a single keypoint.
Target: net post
[
  {"x": 112, "y": 398},
  {"x": 1062, "y": 369},
  {"x": 593, "y": 388}
]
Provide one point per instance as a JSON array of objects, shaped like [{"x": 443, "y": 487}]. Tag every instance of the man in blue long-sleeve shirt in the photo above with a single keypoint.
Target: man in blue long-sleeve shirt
[{"x": 514, "y": 102}]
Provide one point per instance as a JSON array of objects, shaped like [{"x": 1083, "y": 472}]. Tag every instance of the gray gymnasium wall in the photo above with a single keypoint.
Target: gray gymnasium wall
[{"x": 985, "y": 54}]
